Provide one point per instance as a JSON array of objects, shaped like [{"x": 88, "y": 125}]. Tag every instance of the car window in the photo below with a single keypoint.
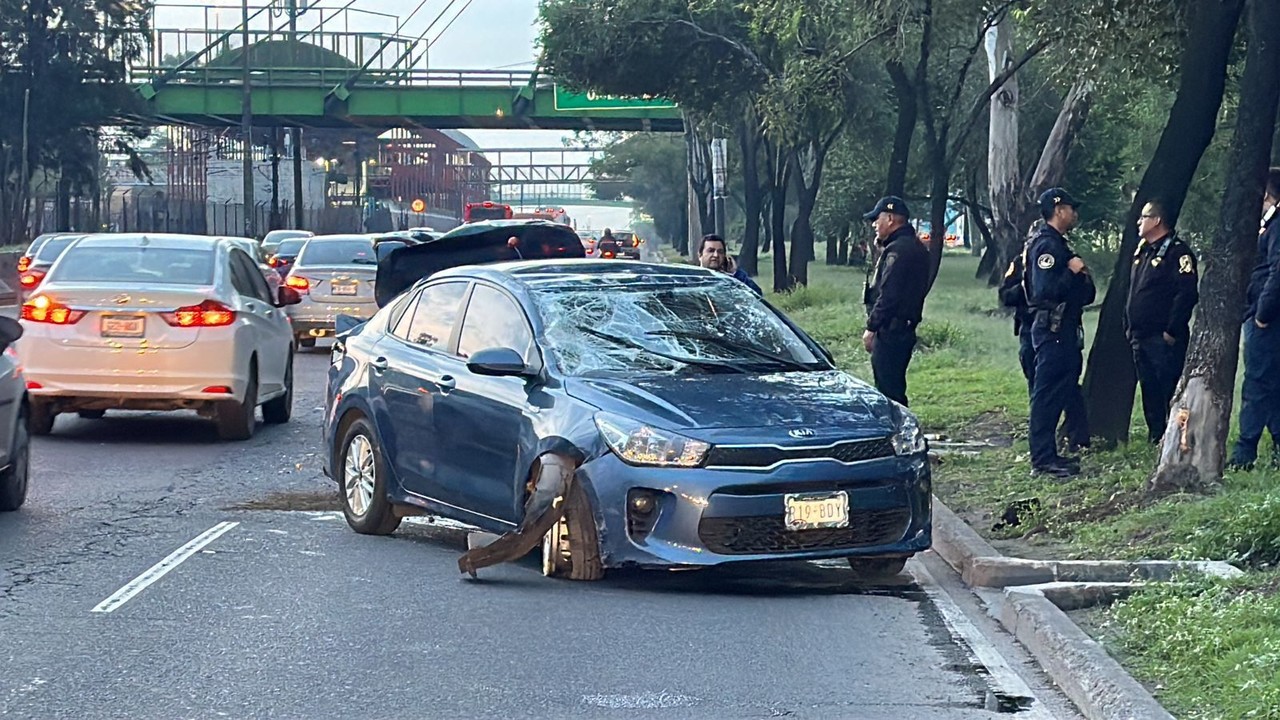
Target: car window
[
  {"x": 54, "y": 247},
  {"x": 290, "y": 247},
  {"x": 247, "y": 279},
  {"x": 432, "y": 318},
  {"x": 338, "y": 252},
  {"x": 146, "y": 265},
  {"x": 494, "y": 320}
]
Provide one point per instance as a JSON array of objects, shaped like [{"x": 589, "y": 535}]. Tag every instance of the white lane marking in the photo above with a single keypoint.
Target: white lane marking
[
  {"x": 162, "y": 568},
  {"x": 1003, "y": 677}
]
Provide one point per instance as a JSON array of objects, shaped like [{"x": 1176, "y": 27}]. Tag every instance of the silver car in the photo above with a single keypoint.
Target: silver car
[
  {"x": 335, "y": 275},
  {"x": 14, "y": 434},
  {"x": 275, "y": 237}
]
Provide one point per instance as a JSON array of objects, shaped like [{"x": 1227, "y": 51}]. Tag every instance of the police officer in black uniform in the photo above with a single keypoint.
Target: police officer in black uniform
[
  {"x": 1012, "y": 295},
  {"x": 1058, "y": 287},
  {"x": 1162, "y": 293},
  {"x": 894, "y": 297}
]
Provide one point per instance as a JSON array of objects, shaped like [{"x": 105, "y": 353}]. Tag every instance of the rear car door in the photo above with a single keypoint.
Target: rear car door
[
  {"x": 407, "y": 371},
  {"x": 481, "y": 420},
  {"x": 271, "y": 338}
]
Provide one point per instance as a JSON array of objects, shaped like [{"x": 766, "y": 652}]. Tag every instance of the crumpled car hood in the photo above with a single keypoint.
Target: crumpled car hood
[{"x": 823, "y": 401}]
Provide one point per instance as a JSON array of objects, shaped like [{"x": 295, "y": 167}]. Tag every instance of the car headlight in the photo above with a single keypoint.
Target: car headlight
[
  {"x": 640, "y": 444},
  {"x": 909, "y": 439}
]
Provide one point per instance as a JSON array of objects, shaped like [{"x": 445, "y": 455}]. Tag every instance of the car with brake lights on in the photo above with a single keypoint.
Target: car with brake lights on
[
  {"x": 286, "y": 253},
  {"x": 628, "y": 244},
  {"x": 35, "y": 264},
  {"x": 704, "y": 425},
  {"x": 158, "y": 322},
  {"x": 335, "y": 276},
  {"x": 271, "y": 242}
]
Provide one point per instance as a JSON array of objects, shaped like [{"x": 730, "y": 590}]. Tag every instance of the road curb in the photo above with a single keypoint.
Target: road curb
[{"x": 1031, "y": 607}]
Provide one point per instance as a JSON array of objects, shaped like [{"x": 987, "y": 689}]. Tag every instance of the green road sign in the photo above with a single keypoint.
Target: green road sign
[{"x": 577, "y": 102}]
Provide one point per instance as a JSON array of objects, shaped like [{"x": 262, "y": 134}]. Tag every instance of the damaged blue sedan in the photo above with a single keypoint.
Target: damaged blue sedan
[{"x": 613, "y": 414}]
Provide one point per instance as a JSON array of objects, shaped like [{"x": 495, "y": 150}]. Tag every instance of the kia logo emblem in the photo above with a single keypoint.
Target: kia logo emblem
[{"x": 801, "y": 433}]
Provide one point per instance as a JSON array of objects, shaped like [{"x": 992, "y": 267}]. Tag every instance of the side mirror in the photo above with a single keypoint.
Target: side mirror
[
  {"x": 498, "y": 362},
  {"x": 288, "y": 296},
  {"x": 10, "y": 331}
]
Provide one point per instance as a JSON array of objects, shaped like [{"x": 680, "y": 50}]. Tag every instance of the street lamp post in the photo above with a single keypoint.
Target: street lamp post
[
  {"x": 295, "y": 133},
  {"x": 246, "y": 124}
]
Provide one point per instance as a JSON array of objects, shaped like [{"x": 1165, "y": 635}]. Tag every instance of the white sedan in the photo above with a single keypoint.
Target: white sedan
[{"x": 158, "y": 322}]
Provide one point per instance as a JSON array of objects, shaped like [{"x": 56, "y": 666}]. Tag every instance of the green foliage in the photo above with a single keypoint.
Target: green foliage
[
  {"x": 1212, "y": 648},
  {"x": 650, "y": 169}
]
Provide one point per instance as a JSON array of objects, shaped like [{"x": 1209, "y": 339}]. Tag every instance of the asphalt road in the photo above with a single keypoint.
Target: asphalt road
[{"x": 284, "y": 612}]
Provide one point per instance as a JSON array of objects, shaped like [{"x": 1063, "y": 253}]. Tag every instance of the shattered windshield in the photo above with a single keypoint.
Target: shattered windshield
[{"x": 666, "y": 325}]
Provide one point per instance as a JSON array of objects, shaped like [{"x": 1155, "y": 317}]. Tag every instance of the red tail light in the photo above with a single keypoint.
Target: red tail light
[
  {"x": 297, "y": 282},
  {"x": 30, "y": 278},
  {"x": 209, "y": 313},
  {"x": 273, "y": 262},
  {"x": 219, "y": 389},
  {"x": 24, "y": 262},
  {"x": 33, "y": 385},
  {"x": 42, "y": 309}
]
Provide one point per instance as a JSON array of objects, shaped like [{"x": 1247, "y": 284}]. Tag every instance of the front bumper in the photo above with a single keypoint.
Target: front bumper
[{"x": 711, "y": 516}]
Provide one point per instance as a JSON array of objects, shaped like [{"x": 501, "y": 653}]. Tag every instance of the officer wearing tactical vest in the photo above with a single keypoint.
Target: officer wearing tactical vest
[
  {"x": 1012, "y": 295},
  {"x": 1058, "y": 287},
  {"x": 1162, "y": 293},
  {"x": 894, "y": 297}
]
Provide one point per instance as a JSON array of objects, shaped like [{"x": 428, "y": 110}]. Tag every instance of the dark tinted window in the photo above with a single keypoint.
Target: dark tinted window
[
  {"x": 246, "y": 277},
  {"x": 53, "y": 248},
  {"x": 430, "y": 322},
  {"x": 290, "y": 247},
  {"x": 144, "y": 265},
  {"x": 494, "y": 320},
  {"x": 338, "y": 252}
]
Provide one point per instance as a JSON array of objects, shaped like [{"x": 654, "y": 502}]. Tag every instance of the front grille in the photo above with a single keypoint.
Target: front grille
[
  {"x": 766, "y": 456},
  {"x": 767, "y": 533}
]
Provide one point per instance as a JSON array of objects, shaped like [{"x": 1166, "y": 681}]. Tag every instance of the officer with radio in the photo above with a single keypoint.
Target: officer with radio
[
  {"x": 1058, "y": 287},
  {"x": 1162, "y": 293}
]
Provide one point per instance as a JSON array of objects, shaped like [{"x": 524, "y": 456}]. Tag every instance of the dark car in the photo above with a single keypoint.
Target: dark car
[
  {"x": 628, "y": 244},
  {"x": 35, "y": 264},
  {"x": 705, "y": 427},
  {"x": 286, "y": 254}
]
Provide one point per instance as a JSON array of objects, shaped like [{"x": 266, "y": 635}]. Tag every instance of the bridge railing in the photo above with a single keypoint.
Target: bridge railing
[
  {"x": 330, "y": 77},
  {"x": 169, "y": 47}
]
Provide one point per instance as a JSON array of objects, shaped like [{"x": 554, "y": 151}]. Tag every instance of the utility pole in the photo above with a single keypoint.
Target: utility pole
[
  {"x": 246, "y": 125},
  {"x": 295, "y": 134}
]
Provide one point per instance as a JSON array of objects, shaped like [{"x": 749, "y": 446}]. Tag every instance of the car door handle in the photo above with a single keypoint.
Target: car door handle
[
  {"x": 446, "y": 383},
  {"x": 379, "y": 364}
]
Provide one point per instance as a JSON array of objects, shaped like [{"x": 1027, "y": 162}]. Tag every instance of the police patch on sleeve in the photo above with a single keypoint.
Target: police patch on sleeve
[
  {"x": 1186, "y": 265},
  {"x": 1045, "y": 261}
]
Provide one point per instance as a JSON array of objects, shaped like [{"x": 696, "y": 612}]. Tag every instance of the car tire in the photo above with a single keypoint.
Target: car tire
[
  {"x": 13, "y": 481},
  {"x": 363, "y": 482},
  {"x": 877, "y": 568},
  {"x": 306, "y": 341},
  {"x": 92, "y": 414},
  {"x": 40, "y": 418},
  {"x": 571, "y": 548},
  {"x": 236, "y": 419},
  {"x": 277, "y": 411}
]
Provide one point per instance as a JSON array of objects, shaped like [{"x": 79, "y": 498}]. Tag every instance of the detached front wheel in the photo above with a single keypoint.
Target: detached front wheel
[{"x": 571, "y": 548}]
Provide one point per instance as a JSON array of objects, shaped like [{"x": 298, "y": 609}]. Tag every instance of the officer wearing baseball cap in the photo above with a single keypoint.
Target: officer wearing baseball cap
[
  {"x": 894, "y": 296},
  {"x": 1058, "y": 287}
]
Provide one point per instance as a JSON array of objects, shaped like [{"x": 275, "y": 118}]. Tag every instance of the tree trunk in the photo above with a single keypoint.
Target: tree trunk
[
  {"x": 904, "y": 94},
  {"x": 778, "y": 219},
  {"x": 940, "y": 178},
  {"x": 1049, "y": 171},
  {"x": 1003, "y": 176},
  {"x": 1109, "y": 375},
  {"x": 1193, "y": 451},
  {"x": 749, "y": 256}
]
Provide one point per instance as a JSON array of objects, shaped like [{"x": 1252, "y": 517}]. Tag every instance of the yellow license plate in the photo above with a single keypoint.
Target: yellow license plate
[
  {"x": 808, "y": 511},
  {"x": 123, "y": 326}
]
